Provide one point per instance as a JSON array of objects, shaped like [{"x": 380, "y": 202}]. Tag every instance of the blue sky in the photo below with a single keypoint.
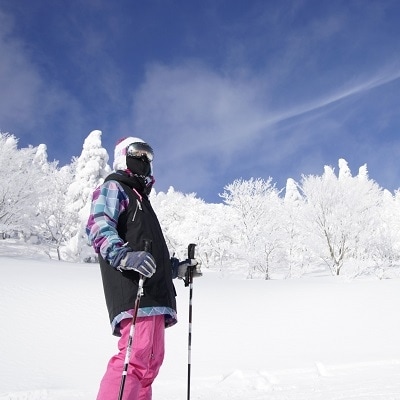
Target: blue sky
[{"x": 222, "y": 89}]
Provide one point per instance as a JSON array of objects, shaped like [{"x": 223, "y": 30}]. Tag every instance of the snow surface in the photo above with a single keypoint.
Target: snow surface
[{"x": 319, "y": 338}]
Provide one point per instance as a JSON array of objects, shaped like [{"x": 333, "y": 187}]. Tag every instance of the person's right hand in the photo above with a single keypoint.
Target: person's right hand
[{"x": 139, "y": 261}]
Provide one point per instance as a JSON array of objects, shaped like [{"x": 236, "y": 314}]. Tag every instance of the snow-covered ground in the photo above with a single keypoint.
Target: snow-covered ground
[{"x": 305, "y": 339}]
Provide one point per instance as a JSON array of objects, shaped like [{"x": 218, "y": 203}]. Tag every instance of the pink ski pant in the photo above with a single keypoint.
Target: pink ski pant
[{"x": 146, "y": 358}]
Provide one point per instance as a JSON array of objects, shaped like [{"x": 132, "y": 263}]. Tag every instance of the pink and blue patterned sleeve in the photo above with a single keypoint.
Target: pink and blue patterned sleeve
[{"x": 108, "y": 202}]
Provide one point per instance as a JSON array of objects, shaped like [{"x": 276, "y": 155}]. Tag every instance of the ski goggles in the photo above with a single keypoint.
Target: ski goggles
[{"x": 140, "y": 150}]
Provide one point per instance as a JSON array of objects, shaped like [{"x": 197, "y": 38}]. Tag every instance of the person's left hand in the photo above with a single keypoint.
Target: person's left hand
[{"x": 183, "y": 266}]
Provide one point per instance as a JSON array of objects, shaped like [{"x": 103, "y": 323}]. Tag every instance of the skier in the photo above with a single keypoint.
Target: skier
[{"x": 125, "y": 232}]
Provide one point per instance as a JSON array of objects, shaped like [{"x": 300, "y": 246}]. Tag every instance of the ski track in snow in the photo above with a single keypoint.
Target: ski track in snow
[
  {"x": 306, "y": 339},
  {"x": 364, "y": 381}
]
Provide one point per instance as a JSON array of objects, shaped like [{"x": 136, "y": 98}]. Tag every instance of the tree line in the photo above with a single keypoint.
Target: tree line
[{"x": 335, "y": 223}]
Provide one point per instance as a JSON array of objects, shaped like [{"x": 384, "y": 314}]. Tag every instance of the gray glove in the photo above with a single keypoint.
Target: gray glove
[
  {"x": 139, "y": 261},
  {"x": 182, "y": 267}
]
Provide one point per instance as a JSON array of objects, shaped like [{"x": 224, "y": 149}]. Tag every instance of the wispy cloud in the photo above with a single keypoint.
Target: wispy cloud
[
  {"x": 193, "y": 112},
  {"x": 348, "y": 90}
]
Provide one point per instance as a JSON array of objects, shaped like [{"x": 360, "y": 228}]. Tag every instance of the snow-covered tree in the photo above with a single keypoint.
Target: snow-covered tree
[
  {"x": 179, "y": 215},
  {"x": 17, "y": 195},
  {"x": 384, "y": 244},
  {"x": 219, "y": 237},
  {"x": 90, "y": 170},
  {"x": 40, "y": 157},
  {"x": 187, "y": 219},
  {"x": 257, "y": 208},
  {"x": 340, "y": 214},
  {"x": 292, "y": 223},
  {"x": 55, "y": 221}
]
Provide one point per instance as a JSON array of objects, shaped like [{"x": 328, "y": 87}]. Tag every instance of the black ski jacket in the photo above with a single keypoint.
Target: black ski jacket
[{"x": 137, "y": 224}]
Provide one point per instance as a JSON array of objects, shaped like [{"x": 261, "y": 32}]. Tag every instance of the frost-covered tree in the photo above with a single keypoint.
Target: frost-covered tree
[
  {"x": 40, "y": 157},
  {"x": 219, "y": 236},
  {"x": 179, "y": 216},
  {"x": 17, "y": 195},
  {"x": 55, "y": 221},
  {"x": 187, "y": 219},
  {"x": 168, "y": 208},
  {"x": 292, "y": 223},
  {"x": 384, "y": 244},
  {"x": 90, "y": 170},
  {"x": 340, "y": 214},
  {"x": 257, "y": 208}
]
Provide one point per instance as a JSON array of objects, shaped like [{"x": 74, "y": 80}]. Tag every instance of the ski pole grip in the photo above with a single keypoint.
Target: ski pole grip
[
  {"x": 147, "y": 246},
  {"x": 191, "y": 249}
]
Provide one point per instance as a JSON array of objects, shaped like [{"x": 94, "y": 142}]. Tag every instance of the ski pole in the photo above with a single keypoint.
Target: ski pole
[
  {"x": 189, "y": 282},
  {"x": 147, "y": 247},
  {"x": 130, "y": 340}
]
